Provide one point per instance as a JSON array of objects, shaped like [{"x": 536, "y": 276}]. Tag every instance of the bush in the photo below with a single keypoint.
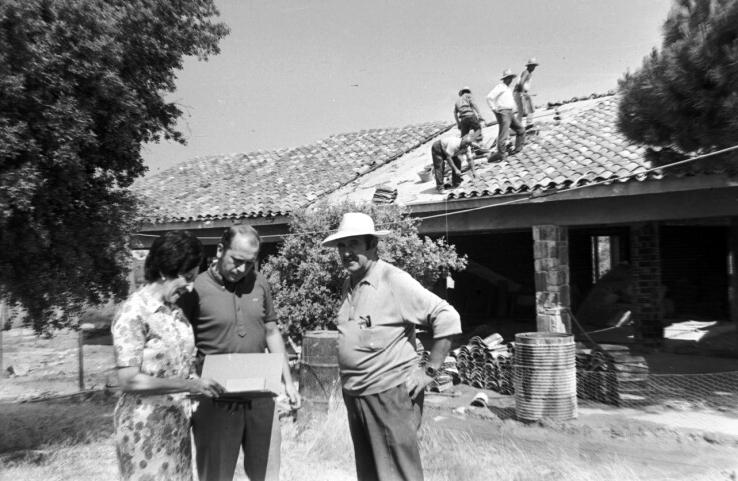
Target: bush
[{"x": 306, "y": 278}]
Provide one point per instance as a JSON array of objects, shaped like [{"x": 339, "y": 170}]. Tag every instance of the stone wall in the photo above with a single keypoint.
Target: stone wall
[{"x": 553, "y": 295}]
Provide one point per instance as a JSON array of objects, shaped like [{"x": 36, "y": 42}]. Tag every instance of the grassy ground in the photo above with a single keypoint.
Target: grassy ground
[
  {"x": 67, "y": 422},
  {"x": 71, "y": 440}
]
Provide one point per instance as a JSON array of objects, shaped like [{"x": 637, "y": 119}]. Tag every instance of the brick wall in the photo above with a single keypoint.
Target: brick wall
[
  {"x": 645, "y": 258},
  {"x": 551, "y": 265}
]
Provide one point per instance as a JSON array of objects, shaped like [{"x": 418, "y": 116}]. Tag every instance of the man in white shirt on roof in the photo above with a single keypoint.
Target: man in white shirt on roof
[{"x": 502, "y": 103}]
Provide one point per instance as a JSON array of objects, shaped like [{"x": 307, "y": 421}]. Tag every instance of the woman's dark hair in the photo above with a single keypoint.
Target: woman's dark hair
[{"x": 172, "y": 254}]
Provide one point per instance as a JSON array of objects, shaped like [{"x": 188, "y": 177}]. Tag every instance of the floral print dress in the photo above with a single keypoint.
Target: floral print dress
[{"x": 153, "y": 431}]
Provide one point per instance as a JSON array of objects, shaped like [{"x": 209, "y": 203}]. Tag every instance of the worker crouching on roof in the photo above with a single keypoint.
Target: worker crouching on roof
[
  {"x": 450, "y": 150},
  {"x": 383, "y": 383}
]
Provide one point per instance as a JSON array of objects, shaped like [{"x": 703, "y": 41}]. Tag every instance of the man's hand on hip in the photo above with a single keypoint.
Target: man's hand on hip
[{"x": 417, "y": 382}]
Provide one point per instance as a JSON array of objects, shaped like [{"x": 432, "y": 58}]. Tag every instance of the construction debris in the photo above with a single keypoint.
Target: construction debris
[{"x": 384, "y": 194}]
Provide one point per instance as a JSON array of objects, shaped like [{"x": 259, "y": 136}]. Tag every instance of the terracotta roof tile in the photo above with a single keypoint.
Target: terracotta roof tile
[
  {"x": 582, "y": 148},
  {"x": 272, "y": 183}
]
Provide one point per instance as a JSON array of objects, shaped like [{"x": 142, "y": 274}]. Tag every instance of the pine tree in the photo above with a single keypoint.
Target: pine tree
[{"x": 685, "y": 95}]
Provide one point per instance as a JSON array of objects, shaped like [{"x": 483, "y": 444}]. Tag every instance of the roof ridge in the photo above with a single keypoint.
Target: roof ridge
[
  {"x": 392, "y": 158},
  {"x": 592, "y": 96},
  {"x": 279, "y": 180},
  {"x": 281, "y": 152}
]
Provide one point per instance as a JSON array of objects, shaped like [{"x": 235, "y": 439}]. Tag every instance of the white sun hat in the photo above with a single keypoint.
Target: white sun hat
[
  {"x": 353, "y": 224},
  {"x": 507, "y": 73}
]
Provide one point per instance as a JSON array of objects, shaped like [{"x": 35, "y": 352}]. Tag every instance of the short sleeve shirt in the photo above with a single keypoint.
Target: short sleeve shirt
[
  {"x": 153, "y": 336},
  {"x": 229, "y": 318},
  {"x": 376, "y": 328}
]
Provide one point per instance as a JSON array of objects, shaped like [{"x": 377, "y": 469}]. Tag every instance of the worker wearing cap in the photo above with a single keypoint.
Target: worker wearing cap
[
  {"x": 521, "y": 92},
  {"x": 502, "y": 103},
  {"x": 382, "y": 380},
  {"x": 469, "y": 120},
  {"x": 466, "y": 113}
]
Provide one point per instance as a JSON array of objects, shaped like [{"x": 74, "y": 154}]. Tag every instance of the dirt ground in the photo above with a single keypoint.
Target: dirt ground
[
  {"x": 664, "y": 444},
  {"x": 46, "y": 367},
  {"x": 669, "y": 441}
]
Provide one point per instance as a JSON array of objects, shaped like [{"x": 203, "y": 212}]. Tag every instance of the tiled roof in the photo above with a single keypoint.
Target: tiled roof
[
  {"x": 583, "y": 147},
  {"x": 271, "y": 183}
]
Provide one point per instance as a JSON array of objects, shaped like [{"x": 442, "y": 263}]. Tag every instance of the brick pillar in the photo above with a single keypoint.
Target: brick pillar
[
  {"x": 551, "y": 258},
  {"x": 645, "y": 256}
]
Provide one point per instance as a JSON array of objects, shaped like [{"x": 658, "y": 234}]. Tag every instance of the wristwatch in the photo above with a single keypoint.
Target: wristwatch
[{"x": 431, "y": 371}]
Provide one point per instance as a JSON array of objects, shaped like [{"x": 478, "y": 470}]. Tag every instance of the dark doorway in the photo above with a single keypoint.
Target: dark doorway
[
  {"x": 498, "y": 284},
  {"x": 694, "y": 271}
]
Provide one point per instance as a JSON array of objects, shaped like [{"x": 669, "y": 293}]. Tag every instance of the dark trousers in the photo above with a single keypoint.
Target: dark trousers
[
  {"x": 221, "y": 430},
  {"x": 525, "y": 106},
  {"x": 439, "y": 164},
  {"x": 505, "y": 121},
  {"x": 384, "y": 429}
]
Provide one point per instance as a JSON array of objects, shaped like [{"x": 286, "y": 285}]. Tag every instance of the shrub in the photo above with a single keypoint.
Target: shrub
[{"x": 306, "y": 278}]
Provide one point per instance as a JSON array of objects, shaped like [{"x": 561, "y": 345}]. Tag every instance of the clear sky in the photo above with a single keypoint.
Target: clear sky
[{"x": 295, "y": 71}]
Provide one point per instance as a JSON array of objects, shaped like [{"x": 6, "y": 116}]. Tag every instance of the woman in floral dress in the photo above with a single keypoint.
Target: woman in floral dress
[{"x": 154, "y": 351}]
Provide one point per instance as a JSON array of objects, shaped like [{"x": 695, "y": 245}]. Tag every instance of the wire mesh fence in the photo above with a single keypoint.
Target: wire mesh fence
[
  {"x": 609, "y": 375},
  {"x": 717, "y": 390}
]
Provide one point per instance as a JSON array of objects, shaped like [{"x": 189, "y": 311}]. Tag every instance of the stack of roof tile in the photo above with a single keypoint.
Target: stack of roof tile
[
  {"x": 610, "y": 375},
  {"x": 384, "y": 194},
  {"x": 486, "y": 363}
]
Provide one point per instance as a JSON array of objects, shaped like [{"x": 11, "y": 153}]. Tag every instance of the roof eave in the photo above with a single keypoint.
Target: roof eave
[
  {"x": 614, "y": 189},
  {"x": 197, "y": 224}
]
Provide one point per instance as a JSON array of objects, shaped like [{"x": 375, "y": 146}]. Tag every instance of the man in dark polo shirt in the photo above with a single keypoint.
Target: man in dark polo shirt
[{"x": 231, "y": 311}]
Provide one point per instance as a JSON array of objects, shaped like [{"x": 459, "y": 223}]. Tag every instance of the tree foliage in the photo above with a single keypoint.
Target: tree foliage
[
  {"x": 82, "y": 87},
  {"x": 306, "y": 278},
  {"x": 685, "y": 95}
]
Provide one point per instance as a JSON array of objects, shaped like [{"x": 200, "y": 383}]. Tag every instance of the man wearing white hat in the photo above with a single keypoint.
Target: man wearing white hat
[
  {"x": 502, "y": 103},
  {"x": 522, "y": 93},
  {"x": 382, "y": 381}
]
